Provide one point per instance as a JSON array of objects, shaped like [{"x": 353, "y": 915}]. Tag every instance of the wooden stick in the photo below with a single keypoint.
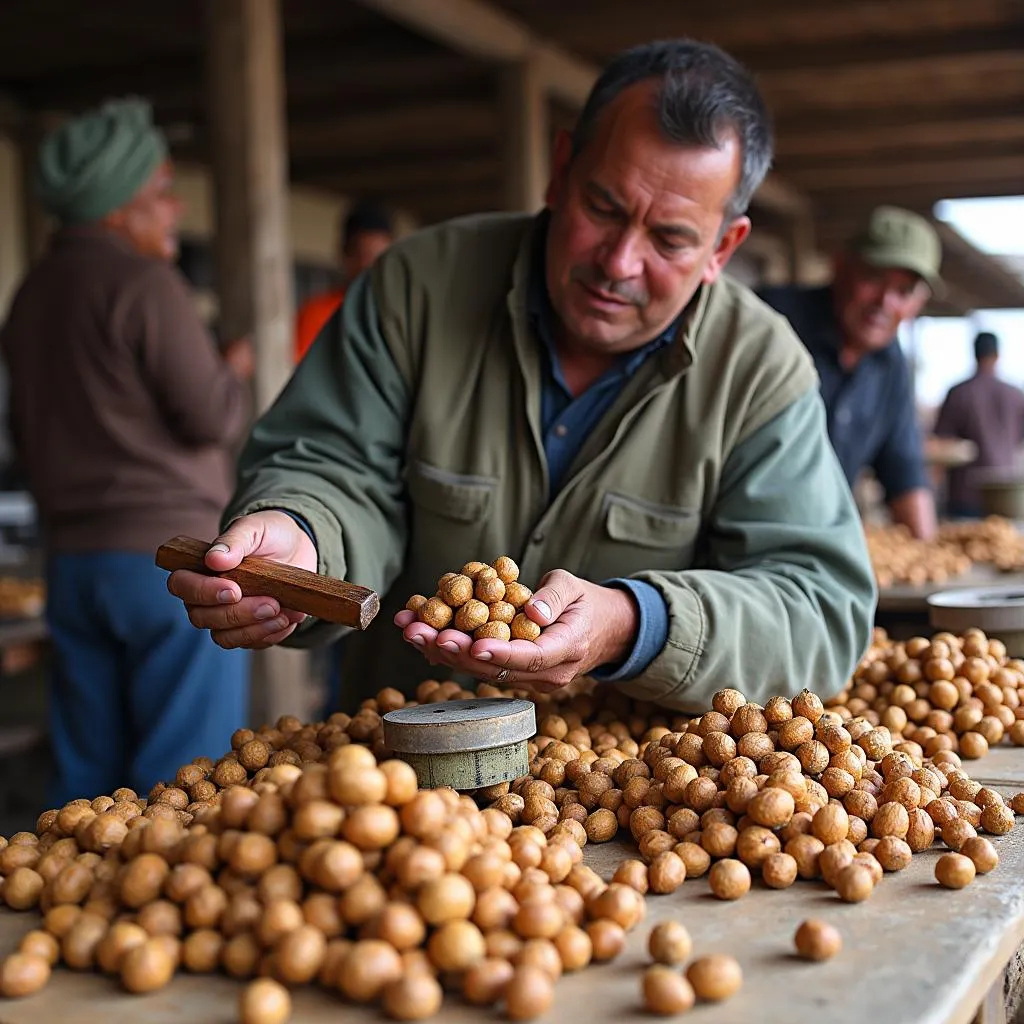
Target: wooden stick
[{"x": 323, "y": 597}]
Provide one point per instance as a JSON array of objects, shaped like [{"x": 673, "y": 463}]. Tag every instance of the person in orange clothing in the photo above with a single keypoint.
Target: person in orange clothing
[{"x": 366, "y": 232}]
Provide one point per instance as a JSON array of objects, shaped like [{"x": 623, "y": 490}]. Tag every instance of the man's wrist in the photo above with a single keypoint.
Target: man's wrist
[{"x": 620, "y": 616}]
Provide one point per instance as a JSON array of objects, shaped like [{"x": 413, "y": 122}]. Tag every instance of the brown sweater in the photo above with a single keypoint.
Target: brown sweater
[{"x": 121, "y": 409}]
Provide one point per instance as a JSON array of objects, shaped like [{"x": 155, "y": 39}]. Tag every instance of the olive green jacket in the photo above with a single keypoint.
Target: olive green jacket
[{"x": 409, "y": 439}]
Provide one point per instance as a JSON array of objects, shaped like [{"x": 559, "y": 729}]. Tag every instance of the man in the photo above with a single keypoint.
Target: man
[
  {"x": 989, "y": 412},
  {"x": 121, "y": 414},
  {"x": 583, "y": 390},
  {"x": 366, "y": 232},
  {"x": 882, "y": 279}
]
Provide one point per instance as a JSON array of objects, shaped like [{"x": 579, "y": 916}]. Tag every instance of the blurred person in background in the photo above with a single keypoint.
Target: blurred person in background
[
  {"x": 989, "y": 412},
  {"x": 883, "y": 278},
  {"x": 366, "y": 232},
  {"x": 122, "y": 413}
]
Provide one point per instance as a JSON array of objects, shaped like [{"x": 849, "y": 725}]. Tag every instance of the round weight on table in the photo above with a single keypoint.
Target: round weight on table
[{"x": 465, "y": 744}]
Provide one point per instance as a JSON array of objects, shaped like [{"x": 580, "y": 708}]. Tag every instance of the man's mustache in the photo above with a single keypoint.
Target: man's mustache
[{"x": 627, "y": 291}]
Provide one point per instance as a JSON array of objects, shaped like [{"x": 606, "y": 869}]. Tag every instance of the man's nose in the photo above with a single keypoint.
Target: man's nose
[{"x": 622, "y": 257}]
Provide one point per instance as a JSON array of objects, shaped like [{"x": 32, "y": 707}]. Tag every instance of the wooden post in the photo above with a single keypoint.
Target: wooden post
[
  {"x": 253, "y": 257},
  {"x": 526, "y": 163}
]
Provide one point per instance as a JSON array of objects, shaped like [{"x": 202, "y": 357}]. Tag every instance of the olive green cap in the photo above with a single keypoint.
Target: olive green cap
[{"x": 893, "y": 237}]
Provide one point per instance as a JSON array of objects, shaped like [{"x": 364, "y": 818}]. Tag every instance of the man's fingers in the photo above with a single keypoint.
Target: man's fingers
[
  {"x": 260, "y": 635},
  {"x": 528, "y": 657},
  {"x": 195, "y": 588},
  {"x": 404, "y": 618},
  {"x": 249, "y": 611}
]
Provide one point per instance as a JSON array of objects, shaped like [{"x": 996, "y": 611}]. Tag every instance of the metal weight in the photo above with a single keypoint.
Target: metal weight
[{"x": 465, "y": 744}]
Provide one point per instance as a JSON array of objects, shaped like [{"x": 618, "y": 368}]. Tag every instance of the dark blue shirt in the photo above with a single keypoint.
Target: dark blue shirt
[
  {"x": 871, "y": 412},
  {"x": 566, "y": 422}
]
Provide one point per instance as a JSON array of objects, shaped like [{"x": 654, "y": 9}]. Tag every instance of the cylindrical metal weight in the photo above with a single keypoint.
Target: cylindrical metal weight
[{"x": 465, "y": 744}]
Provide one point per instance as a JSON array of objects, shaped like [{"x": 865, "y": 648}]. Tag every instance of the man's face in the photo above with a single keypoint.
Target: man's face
[
  {"x": 872, "y": 302},
  {"x": 151, "y": 217},
  {"x": 637, "y": 225},
  {"x": 362, "y": 250}
]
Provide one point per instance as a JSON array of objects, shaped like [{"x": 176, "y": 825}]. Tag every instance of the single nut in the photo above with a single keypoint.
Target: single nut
[
  {"x": 669, "y": 943},
  {"x": 954, "y": 870},
  {"x": 817, "y": 940},
  {"x": 715, "y": 977}
]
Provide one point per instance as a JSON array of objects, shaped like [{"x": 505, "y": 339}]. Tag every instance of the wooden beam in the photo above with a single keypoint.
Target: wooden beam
[
  {"x": 900, "y": 115},
  {"x": 486, "y": 32},
  {"x": 599, "y": 29},
  {"x": 910, "y": 137},
  {"x": 386, "y": 179},
  {"x": 960, "y": 173},
  {"x": 392, "y": 129},
  {"x": 924, "y": 81},
  {"x": 526, "y": 148},
  {"x": 883, "y": 49}
]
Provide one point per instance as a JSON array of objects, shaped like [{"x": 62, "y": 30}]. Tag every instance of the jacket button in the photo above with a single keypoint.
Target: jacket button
[{"x": 538, "y": 537}]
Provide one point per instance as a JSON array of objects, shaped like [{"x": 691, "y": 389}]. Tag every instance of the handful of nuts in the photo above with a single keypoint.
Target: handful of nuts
[{"x": 483, "y": 601}]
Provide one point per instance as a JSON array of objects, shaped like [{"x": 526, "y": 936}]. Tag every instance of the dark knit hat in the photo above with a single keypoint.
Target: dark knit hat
[{"x": 97, "y": 161}]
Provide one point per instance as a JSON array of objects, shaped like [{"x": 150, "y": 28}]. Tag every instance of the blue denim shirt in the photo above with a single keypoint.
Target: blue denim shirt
[{"x": 871, "y": 417}]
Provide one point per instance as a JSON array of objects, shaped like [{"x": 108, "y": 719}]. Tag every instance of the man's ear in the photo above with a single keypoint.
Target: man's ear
[
  {"x": 732, "y": 238},
  {"x": 561, "y": 158}
]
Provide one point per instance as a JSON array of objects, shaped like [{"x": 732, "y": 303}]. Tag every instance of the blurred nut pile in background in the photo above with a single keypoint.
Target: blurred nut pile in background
[{"x": 898, "y": 557}]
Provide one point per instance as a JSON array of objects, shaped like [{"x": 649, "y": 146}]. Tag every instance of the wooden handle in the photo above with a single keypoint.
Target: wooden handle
[{"x": 298, "y": 589}]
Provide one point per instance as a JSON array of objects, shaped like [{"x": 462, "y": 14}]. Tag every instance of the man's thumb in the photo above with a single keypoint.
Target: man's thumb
[
  {"x": 557, "y": 590},
  {"x": 241, "y": 538}
]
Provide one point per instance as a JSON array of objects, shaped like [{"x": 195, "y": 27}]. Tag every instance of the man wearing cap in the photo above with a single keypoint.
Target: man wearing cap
[
  {"x": 121, "y": 414},
  {"x": 883, "y": 278},
  {"x": 989, "y": 412}
]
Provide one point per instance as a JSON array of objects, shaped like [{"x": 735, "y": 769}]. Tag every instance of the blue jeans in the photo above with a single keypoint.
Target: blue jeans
[{"x": 137, "y": 691}]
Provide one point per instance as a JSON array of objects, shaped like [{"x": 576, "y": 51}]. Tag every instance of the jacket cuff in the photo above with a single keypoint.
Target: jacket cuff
[
  {"x": 306, "y": 528},
  {"x": 671, "y": 673},
  {"x": 651, "y": 634}
]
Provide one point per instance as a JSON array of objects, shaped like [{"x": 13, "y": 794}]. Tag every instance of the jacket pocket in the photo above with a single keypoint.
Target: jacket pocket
[
  {"x": 449, "y": 514},
  {"x": 634, "y": 534}
]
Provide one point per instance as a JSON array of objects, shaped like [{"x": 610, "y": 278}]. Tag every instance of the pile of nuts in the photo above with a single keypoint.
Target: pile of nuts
[
  {"x": 950, "y": 693},
  {"x": 483, "y": 601},
  {"x": 898, "y": 557},
  {"x": 307, "y": 854},
  {"x": 785, "y": 791}
]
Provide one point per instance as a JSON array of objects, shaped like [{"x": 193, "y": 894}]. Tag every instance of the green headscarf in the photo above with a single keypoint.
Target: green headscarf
[{"x": 96, "y": 162}]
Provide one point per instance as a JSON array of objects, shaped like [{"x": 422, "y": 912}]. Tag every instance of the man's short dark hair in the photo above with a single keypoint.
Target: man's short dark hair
[
  {"x": 703, "y": 94},
  {"x": 986, "y": 346},
  {"x": 364, "y": 217}
]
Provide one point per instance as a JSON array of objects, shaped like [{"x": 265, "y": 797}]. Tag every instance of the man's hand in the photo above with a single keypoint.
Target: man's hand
[
  {"x": 584, "y": 626},
  {"x": 217, "y": 604},
  {"x": 241, "y": 357}
]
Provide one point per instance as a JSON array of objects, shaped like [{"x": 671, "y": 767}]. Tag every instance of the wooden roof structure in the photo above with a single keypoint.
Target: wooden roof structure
[{"x": 905, "y": 101}]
